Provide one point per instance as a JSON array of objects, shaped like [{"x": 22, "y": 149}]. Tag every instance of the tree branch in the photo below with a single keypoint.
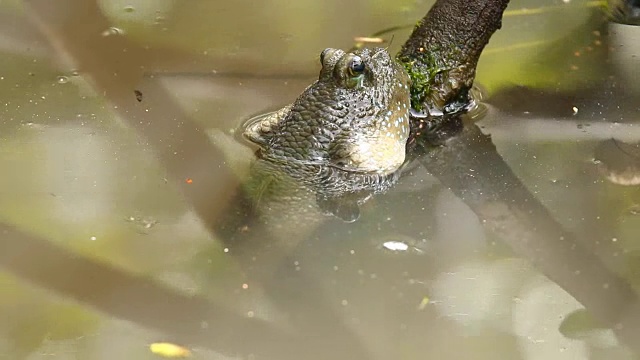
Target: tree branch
[{"x": 442, "y": 53}]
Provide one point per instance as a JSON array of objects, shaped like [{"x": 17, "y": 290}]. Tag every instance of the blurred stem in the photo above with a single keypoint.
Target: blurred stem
[{"x": 140, "y": 300}]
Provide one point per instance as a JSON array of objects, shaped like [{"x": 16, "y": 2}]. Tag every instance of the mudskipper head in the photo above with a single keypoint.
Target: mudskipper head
[{"x": 355, "y": 117}]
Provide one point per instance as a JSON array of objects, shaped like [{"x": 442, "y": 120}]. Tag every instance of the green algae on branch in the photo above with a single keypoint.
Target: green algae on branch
[
  {"x": 442, "y": 53},
  {"x": 423, "y": 74}
]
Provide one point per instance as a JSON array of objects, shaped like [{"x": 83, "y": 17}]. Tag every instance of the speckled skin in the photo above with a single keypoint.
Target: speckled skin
[
  {"x": 355, "y": 123},
  {"x": 346, "y": 134}
]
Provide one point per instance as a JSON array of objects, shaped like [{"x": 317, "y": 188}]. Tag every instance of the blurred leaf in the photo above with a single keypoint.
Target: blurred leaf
[
  {"x": 169, "y": 350},
  {"x": 29, "y": 318},
  {"x": 579, "y": 325},
  {"x": 67, "y": 321}
]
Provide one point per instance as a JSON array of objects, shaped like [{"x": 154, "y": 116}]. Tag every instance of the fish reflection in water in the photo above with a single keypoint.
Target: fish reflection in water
[
  {"x": 341, "y": 141},
  {"x": 619, "y": 162}
]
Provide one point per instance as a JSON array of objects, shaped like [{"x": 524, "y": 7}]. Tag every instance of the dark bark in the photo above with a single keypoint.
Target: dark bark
[{"x": 442, "y": 52}]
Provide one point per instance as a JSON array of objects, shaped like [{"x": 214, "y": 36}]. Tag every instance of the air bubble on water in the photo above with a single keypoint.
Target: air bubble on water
[
  {"x": 596, "y": 161},
  {"x": 112, "y": 31},
  {"x": 75, "y": 73},
  {"x": 62, "y": 79},
  {"x": 129, "y": 9},
  {"x": 93, "y": 238}
]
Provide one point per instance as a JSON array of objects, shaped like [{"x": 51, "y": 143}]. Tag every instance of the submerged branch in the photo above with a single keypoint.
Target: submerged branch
[
  {"x": 471, "y": 167},
  {"x": 140, "y": 300},
  {"x": 441, "y": 57}
]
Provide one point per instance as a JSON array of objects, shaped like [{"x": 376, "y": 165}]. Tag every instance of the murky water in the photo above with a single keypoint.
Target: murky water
[{"x": 122, "y": 225}]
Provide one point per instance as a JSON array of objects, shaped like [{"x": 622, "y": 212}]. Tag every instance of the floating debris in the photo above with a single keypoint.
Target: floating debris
[
  {"x": 619, "y": 162},
  {"x": 142, "y": 223},
  {"x": 112, "y": 31},
  {"x": 169, "y": 350},
  {"x": 138, "y": 95},
  {"x": 634, "y": 209},
  {"x": 369, "y": 40},
  {"x": 396, "y": 246},
  {"x": 401, "y": 244},
  {"x": 423, "y": 304}
]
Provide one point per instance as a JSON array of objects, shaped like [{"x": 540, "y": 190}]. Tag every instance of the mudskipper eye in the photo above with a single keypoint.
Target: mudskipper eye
[{"x": 356, "y": 66}]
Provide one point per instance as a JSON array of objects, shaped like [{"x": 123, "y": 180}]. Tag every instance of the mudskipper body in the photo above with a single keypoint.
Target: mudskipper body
[{"x": 344, "y": 137}]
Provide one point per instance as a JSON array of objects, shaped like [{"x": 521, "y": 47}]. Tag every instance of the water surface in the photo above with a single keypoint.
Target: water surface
[{"x": 120, "y": 218}]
